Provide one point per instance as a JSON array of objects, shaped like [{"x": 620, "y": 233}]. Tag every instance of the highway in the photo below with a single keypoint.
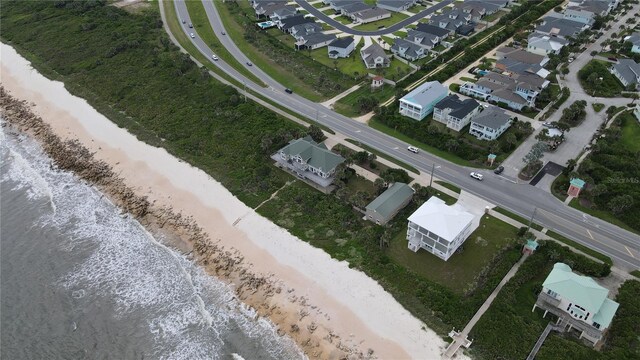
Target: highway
[
  {"x": 621, "y": 245},
  {"x": 388, "y": 30}
]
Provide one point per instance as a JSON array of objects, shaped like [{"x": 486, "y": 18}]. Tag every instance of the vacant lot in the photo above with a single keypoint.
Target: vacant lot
[
  {"x": 596, "y": 80},
  {"x": 357, "y": 103}
]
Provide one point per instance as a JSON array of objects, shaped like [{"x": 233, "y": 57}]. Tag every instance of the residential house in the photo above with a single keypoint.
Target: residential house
[
  {"x": 636, "y": 111},
  {"x": 433, "y": 30},
  {"x": 314, "y": 41},
  {"x": 266, "y": 8},
  {"x": 338, "y": 5},
  {"x": 634, "y": 39},
  {"x": 423, "y": 39},
  {"x": 439, "y": 228},
  {"x": 407, "y": 50},
  {"x": 309, "y": 160},
  {"x": 516, "y": 91},
  {"x": 455, "y": 112},
  {"x": 389, "y": 203},
  {"x": 375, "y": 57},
  {"x": 515, "y": 61},
  {"x": 301, "y": 30},
  {"x": 555, "y": 25},
  {"x": 341, "y": 47},
  {"x": 628, "y": 72},
  {"x": 349, "y": 9},
  {"x": 420, "y": 102},
  {"x": 490, "y": 124},
  {"x": 450, "y": 20},
  {"x": 477, "y": 9},
  {"x": 286, "y": 24},
  {"x": 396, "y": 5},
  {"x": 370, "y": 15},
  {"x": 578, "y": 301},
  {"x": 580, "y": 15},
  {"x": 545, "y": 45},
  {"x": 282, "y": 13}
]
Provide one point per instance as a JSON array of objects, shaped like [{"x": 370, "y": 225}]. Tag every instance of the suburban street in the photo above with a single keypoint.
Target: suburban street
[
  {"x": 388, "y": 30},
  {"x": 578, "y": 137},
  {"x": 621, "y": 245}
]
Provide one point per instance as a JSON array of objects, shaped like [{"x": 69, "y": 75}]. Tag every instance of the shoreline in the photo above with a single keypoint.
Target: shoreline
[{"x": 334, "y": 313}]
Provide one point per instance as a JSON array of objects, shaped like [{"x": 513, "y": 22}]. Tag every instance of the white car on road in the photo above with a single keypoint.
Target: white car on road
[
  {"x": 476, "y": 176},
  {"x": 413, "y": 149},
  {"x": 193, "y": 36},
  {"x": 214, "y": 57}
]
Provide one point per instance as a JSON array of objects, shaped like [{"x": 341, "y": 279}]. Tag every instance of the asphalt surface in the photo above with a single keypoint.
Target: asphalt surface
[
  {"x": 621, "y": 245},
  {"x": 391, "y": 29}
]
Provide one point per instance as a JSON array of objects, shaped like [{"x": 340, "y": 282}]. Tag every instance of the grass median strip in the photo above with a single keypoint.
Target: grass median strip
[
  {"x": 202, "y": 26},
  {"x": 524, "y": 221},
  {"x": 449, "y": 186},
  {"x": 385, "y": 156}
]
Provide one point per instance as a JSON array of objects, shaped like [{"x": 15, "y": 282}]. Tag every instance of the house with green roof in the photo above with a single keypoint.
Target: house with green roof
[
  {"x": 578, "y": 301},
  {"x": 389, "y": 203},
  {"x": 309, "y": 161}
]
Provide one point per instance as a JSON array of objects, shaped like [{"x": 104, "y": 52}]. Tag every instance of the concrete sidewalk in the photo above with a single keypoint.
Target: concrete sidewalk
[{"x": 329, "y": 103}]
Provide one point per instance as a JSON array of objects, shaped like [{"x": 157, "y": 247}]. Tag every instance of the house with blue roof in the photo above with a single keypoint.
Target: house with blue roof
[
  {"x": 578, "y": 301},
  {"x": 420, "y": 102}
]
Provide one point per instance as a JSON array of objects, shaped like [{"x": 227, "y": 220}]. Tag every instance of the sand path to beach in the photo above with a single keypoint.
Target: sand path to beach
[{"x": 345, "y": 301}]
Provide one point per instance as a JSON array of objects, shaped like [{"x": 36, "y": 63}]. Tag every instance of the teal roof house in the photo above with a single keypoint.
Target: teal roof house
[
  {"x": 578, "y": 301},
  {"x": 309, "y": 160},
  {"x": 387, "y": 205},
  {"x": 420, "y": 102}
]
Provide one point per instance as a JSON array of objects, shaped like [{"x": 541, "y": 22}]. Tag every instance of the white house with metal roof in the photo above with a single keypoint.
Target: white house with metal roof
[
  {"x": 439, "y": 228},
  {"x": 455, "y": 112},
  {"x": 578, "y": 301},
  {"x": 420, "y": 102},
  {"x": 387, "y": 205}
]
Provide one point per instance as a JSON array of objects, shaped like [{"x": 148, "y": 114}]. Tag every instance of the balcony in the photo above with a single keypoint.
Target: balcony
[{"x": 547, "y": 300}]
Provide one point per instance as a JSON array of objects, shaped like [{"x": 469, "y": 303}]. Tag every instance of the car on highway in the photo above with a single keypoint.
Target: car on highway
[
  {"x": 571, "y": 59},
  {"x": 184, "y": 21},
  {"x": 193, "y": 36},
  {"x": 413, "y": 149},
  {"x": 499, "y": 170},
  {"x": 249, "y": 63},
  {"x": 214, "y": 57},
  {"x": 613, "y": 59},
  {"x": 476, "y": 176},
  {"x": 288, "y": 91},
  {"x": 190, "y": 25},
  {"x": 224, "y": 33}
]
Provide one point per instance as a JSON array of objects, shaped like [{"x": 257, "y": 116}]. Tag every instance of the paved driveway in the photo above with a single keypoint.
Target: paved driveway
[{"x": 391, "y": 29}]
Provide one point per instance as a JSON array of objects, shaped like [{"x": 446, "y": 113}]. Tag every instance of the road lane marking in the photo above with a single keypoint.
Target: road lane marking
[
  {"x": 591, "y": 236},
  {"x": 629, "y": 251}
]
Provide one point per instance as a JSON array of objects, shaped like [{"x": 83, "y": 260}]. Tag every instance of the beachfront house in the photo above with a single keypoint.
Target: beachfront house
[
  {"x": 455, "y": 112},
  {"x": 389, "y": 203},
  {"x": 420, "y": 102},
  {"x": 439, "y": 228},
  {"x": 309, "y": 161},
  {"x": 375, "y": 57},
  {"x": 341, "y": 47},
  {"x": 490, "y": 124},
  {"x": 578, "y": 301}
]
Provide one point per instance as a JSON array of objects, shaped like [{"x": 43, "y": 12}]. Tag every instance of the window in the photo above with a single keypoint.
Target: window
[{"x": 596, "y": 325}]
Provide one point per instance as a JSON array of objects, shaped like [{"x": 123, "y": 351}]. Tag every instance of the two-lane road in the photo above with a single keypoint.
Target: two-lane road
[{"x": 621, "y": 245}]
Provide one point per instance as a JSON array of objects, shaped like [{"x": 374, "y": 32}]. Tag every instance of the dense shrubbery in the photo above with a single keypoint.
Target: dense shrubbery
[
  {"x": 459, "y": 144},
  {"x": 596, "y": 80},
  {"x": 509, "y": 329}
]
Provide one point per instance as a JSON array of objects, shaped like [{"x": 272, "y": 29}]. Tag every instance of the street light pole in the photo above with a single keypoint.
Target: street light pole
[
  {"x": 531, "y": 220},
  {"x": 433, "y": 167}
]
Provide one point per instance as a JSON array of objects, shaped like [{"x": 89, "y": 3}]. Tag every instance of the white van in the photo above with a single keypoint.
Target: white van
[{"x": 413, "y": 149}]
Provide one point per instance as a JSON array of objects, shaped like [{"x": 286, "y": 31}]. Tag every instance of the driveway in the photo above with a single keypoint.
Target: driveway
[
  {"x": 391, "y": 29},
  {"x": 578, "y": 137}
]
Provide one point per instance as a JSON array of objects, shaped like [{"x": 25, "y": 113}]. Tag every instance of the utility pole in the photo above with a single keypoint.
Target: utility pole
[
  {"x": 245, "y": 91},
  {"x": 433, "y": 167},
  {"x": 531, "y": 220}
]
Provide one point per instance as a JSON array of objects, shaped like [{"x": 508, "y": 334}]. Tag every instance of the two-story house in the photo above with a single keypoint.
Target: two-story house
[
  {"x": 309, "y": 160},
  {"x": 375, "y": 57},
  {"x": 341, "y": 47},
  {"x": 439, "y": 228},
  {"x": 578, "y": 301},
  {"x": 407, "y": 50},
  {"x": 544, "y": 44},
  {"x": 427, "y": 41},
  {"x": 396, "y": 5},
  {"x": 628, "y": 72},
  {"x": 555, "y": 25},
  {"x": 420, "y": 101},
  {"x": 634, "y": 39},
  {"x": 516, "y": 91},
  {"x": 490, "y": 123},
  {"x": 455, "y": 112}
]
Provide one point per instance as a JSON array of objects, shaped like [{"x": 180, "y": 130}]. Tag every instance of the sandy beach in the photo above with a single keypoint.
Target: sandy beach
[{"x": 330, "y": 310}]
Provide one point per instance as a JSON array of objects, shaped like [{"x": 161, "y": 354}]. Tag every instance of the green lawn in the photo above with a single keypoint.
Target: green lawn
[
  {"x": 554, "y": 235},
  {"x": 518, "y": 218},
  {"x": 319, "y": 5},
  {"x": 464, "y": 78},
  {"x": 416, "y": 9},
  {"x": 460, "y": 271},
  {"x": 604, "y": 215},
  {"x": 492, "y": 17},
  {"x": 203, "y": 28},
  {"x": 385, "y": 156},
  {"x": 348, "y": 105},
  {"x": 449, "y": 186},
  {"x": 375, "y": 25}
]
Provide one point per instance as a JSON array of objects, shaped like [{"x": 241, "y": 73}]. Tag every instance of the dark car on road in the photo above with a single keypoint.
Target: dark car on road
[
  {"x": 499, "y": 170},
  {"x": 288, "y": 91}
]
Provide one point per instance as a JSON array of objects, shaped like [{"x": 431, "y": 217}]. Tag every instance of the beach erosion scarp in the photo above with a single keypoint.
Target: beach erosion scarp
[{"x": 330, "y": 310}]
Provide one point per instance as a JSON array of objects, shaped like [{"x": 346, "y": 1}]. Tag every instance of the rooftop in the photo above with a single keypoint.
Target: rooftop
[
  {"x": 441, "y": 219},
  {"x": 313, "y": 153},
  {"x": 459, "y": 108},
  {"x": 426, "y": 93},
  {"x": 389, "y": 201},
  {"x": 342, "y": 42},
  {"x": 493, "y": 117}
]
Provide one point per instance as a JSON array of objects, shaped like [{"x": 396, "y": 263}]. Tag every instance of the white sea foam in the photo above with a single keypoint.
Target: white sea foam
[{"x": 190, "y": 314}]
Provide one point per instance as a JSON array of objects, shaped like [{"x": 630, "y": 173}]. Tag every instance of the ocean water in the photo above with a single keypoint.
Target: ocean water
[{"x": 81, "y": 280}]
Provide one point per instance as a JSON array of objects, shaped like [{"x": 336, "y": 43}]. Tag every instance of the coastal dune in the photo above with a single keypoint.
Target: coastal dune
[{"x": 330, "y": 310}]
